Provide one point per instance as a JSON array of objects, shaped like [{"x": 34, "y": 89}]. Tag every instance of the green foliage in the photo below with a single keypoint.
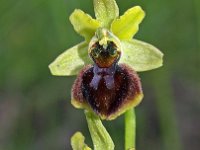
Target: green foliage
[{"x": 100, "y": 137}]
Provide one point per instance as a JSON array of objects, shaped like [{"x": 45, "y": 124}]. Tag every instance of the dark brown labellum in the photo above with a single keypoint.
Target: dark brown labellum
[{"x": 107, "y": 91}]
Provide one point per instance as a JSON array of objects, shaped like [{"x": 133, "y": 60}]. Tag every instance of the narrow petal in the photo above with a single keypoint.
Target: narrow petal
[
  {"x": 71, "y": 61},
  {"x": 84, "y": 24},
  {"x": 106, "y": 11},
  {"x": 128, "y": 24},
  {"x": 141, "y": 56}
]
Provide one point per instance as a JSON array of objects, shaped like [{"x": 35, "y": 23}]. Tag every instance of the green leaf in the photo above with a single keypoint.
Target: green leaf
[
  {"x": 84, "y": 24},
  {"x": 77, "y": 142},
  {"x": 141, "y": 56},
  {"x": 71, "y": 61},
  {"x": 106, "y": 11},
  {"x": 128, "y": 24},
  {"x": 100, "y": 137}
]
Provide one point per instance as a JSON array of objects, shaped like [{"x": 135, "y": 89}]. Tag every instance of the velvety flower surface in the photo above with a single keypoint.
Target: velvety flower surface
[
  {"x": 107, "y": 83},
  {"x": 107, "y": 100}
]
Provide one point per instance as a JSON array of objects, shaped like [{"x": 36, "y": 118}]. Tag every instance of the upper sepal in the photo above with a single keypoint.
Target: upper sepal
[
  {"x": 71, "y": 61},
  {"x": 106, "y": 11},
  {"x": 84, "y": 24},
  {"x": 128, "y": 24},
  {"x": 140, "y": 55}
]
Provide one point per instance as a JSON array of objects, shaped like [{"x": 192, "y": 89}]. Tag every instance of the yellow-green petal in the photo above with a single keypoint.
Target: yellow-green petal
[
  {"x": 84, "y": 24},
  {"x": 78, "y": 142},
  {"x": 71, "y": 61},
  {"x": 106, "y": 11},
  {"x": 141, "y": 56},
  {"x": 128, "y": 24}
]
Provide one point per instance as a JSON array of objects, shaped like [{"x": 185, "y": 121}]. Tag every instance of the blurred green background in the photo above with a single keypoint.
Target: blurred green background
[{"x": 35, "y": 109}]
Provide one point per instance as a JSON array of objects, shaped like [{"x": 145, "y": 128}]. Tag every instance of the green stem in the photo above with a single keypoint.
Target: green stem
[
  {"x": 130, "y": 126},
  {"x": 100, "y": 137}
]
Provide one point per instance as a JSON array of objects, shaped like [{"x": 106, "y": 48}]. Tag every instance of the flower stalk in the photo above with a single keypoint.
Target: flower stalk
[{"x": 130, "y": 129}]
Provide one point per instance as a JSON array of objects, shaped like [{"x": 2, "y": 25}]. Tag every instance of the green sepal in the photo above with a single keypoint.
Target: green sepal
[
  {"x": 100, "y": 137},
  {"x": 141, "y": 56},
  {"x": 84, "y": 24},
  {"x": 71, "y": 61},
  {"x": 78, "y": 142},
  {"x": 106, "y": 11},
  {"x": 128, "y": 24}
]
